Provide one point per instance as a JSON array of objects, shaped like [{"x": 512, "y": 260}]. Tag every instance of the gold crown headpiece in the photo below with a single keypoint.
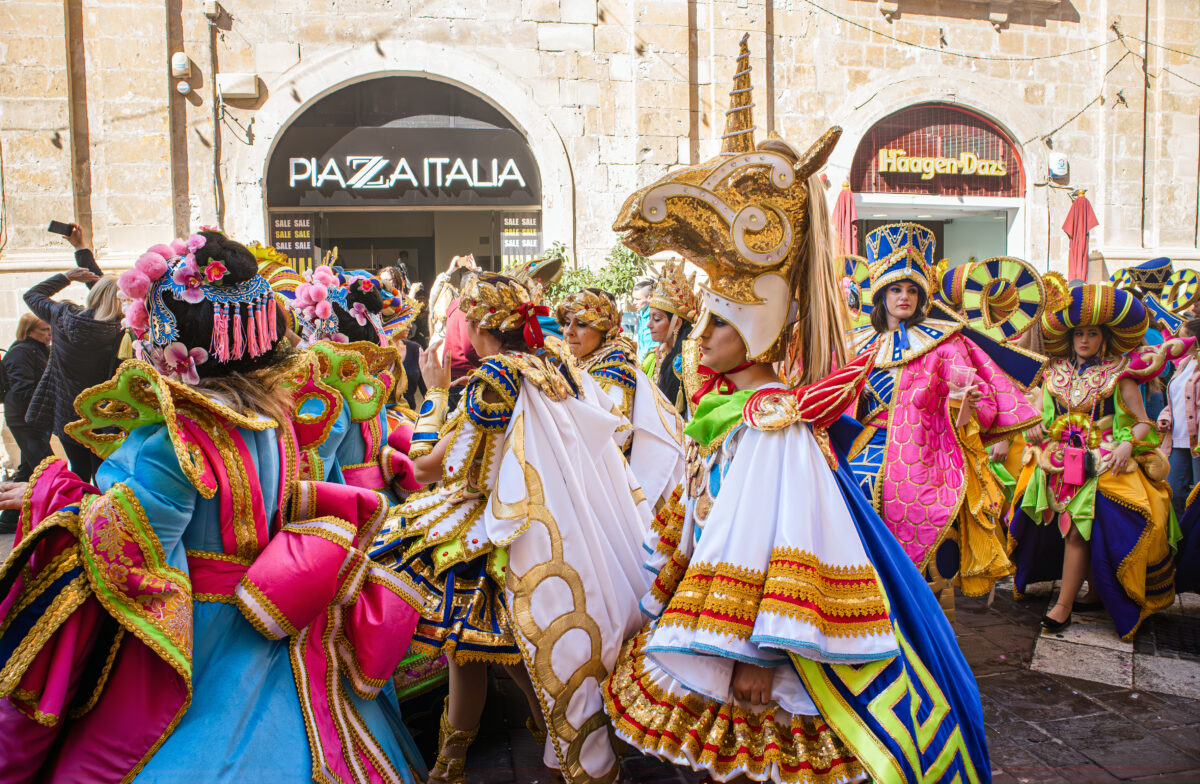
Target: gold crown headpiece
[
  {"x": 675, "y": 292},
  {"x": 591, "y": 308},
  {"x": 498, "y": 301}
]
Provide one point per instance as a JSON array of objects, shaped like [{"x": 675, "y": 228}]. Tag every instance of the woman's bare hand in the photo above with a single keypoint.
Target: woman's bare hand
[
  {"x": 81, "y": 275},
  {"x": 752, "y": 683},
  {"x": 435, "y": 369},
  {"x": 12, "y": 494}
]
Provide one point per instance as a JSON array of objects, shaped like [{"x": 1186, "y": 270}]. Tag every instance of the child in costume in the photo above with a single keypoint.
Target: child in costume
[
  {"x": 921, "y": 460},
  {"x": 211, "y": 617},
  {"x": 1093, "y": 501},
  {"x": 530, "y": 489},
  {"x": 784, "y": 610}
]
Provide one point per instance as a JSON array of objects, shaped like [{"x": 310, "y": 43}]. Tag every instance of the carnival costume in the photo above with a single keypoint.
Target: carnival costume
[
  {"x": 535, "y": 493},
  {"x": 652, "y": 440},
  {"x": 200, "y": 614},
  {"x": 364, "y": 447},
  {"x": 675, "y": 293},
  {"x": 1127, "y": 519},
  {"x": 929, "y": 479},
  {"x": 778, "y": 561}
]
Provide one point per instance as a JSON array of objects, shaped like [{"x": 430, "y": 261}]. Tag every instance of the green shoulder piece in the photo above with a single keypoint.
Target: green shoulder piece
[
  {"x": 138, "y": 395},
  {"x": 362, "y": 373},
  {"x": 135, "y": 397}
]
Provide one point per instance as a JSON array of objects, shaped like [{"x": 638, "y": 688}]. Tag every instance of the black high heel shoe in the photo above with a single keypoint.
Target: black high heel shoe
[
  {"x": 1085, "y": 607},
  {"x": 1053, "y": 626}
]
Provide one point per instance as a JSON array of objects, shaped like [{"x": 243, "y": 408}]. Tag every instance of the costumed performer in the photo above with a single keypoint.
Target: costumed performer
[
  {"x": 925, "y": 469},
  {"x": 1093, "y": 501},
  {"x": 787, "y": 611},
  {"x": 337, "y": 315},
  {"x": 652, "y": 440},
  {"x": 532, "y": 491},
  {"x": 200, "y": 615},
  {"x": 674, "y": 307}
]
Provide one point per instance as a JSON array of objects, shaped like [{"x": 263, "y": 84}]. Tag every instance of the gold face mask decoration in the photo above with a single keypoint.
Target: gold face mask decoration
[{"x": 742, "y": 217}]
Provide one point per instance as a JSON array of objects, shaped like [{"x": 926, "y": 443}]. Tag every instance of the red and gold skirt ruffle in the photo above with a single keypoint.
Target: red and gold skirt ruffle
[{"x": 724, "y": 740}]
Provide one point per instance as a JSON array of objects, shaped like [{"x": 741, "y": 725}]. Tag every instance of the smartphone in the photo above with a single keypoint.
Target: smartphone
[{"x": 58, "y": 227}]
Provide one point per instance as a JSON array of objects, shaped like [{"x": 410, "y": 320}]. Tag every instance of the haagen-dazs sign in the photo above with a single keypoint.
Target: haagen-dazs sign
[{"x": 382, "y": 167}]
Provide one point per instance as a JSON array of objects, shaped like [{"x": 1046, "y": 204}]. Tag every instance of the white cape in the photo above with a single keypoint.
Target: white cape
[{"x": 573, "y": 518}]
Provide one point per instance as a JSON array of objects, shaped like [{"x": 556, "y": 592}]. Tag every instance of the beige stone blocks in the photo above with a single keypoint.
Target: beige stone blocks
[{"x": 560, "y": 37}]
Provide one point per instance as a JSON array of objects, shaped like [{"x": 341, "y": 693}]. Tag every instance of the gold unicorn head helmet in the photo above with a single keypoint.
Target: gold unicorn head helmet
[{"x": 743, "y": 217}]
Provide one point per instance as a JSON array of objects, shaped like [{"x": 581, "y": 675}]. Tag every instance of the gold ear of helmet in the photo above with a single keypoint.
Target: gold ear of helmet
[{"x": 495, "y": 301}]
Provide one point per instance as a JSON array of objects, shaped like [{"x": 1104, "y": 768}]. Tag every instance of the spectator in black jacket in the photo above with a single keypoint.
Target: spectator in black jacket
[
  {"x": 23, "y": 367},
  {"x": 83, "y": 349}
]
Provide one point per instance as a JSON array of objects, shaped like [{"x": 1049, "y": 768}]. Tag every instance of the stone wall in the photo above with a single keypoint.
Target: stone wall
[{"x": 611, "y": 94}]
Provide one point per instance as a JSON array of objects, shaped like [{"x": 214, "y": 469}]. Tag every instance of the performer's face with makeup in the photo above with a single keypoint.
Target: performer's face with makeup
[
  {"x": 902, "y": 299},
  {"x": 582, "y": 339},
  {"x": 1087, "y": 341},
  {"x": 721, "y": 347},
  {"x": 659, "y": 324}
]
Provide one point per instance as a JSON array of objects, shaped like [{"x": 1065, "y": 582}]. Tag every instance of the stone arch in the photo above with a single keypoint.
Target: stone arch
[{"x": 334, "y": 68}]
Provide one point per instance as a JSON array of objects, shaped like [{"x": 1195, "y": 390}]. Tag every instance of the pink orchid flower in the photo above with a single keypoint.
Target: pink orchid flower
[
  {"x": 180, "y": 363},
  {"x": 195, "y": 243},
  {"x": 187, "y": 274},
  {"x": 359, "y": 311}
]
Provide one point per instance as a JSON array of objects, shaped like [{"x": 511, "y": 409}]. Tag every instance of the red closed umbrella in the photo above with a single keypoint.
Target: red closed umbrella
[
  {"x": 1080, "y": 220},
  {"x": 845, "y": 222}
]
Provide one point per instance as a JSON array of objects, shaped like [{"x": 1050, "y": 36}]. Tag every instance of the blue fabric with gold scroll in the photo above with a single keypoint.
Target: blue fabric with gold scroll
[{"x": 916, "y": 717}]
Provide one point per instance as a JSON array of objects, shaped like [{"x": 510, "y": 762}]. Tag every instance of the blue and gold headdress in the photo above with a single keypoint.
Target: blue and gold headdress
[{"x": 900, "y": 251}]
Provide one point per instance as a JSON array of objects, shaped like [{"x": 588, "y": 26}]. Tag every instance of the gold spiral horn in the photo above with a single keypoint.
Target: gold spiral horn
[{"x": 739, "y": 119}]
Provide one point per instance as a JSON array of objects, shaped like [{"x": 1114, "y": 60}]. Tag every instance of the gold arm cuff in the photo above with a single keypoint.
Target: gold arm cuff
[{"x": 429, "y": 424}]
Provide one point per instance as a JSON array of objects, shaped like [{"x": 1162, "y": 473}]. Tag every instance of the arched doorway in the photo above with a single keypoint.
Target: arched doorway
[
  {"x": 948, "y": 168},
  {"x": 403, "y": 169}
]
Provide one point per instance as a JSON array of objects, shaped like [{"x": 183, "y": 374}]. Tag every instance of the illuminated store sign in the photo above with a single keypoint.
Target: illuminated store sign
[
  {"x": 375, "y": 171},
  {"x": 892, "y": 161},
  {"x": 381, "y": 167}
]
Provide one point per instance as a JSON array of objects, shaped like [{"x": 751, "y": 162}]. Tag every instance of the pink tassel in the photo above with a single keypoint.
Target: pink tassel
[
  {"x": 220, "y": 335},
  {"x": 239, "y": 345},
  {"x": 264, "y": 343},
  {"x": 251, "y": 332},
  {"x": 271, "y": 320}
]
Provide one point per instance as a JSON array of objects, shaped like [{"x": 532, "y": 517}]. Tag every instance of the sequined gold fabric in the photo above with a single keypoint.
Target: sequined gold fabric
[{"x": 723, "y": 739}]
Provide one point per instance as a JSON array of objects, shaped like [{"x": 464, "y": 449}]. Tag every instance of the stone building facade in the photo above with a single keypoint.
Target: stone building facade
[{"x": 587, "y": 100}]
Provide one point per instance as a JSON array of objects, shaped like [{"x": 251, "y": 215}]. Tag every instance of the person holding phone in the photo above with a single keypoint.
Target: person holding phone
[
  {"x": 83, "y": 348},
  {"x": 1093, "y": 502},
  {"x": 932, "y": 407}
]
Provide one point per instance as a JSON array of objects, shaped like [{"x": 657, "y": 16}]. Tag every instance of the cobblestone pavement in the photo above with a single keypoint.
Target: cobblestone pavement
[{"x": 1041, "y": 728}]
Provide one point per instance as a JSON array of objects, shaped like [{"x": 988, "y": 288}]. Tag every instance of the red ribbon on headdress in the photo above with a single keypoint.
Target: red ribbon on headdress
[
  {"x": 718, "y": 381},
  {"x": 533, "y": 328}
]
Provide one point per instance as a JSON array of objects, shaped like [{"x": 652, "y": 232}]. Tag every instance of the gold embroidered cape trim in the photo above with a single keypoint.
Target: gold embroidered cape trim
[{"x": 721, "y": 738}]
